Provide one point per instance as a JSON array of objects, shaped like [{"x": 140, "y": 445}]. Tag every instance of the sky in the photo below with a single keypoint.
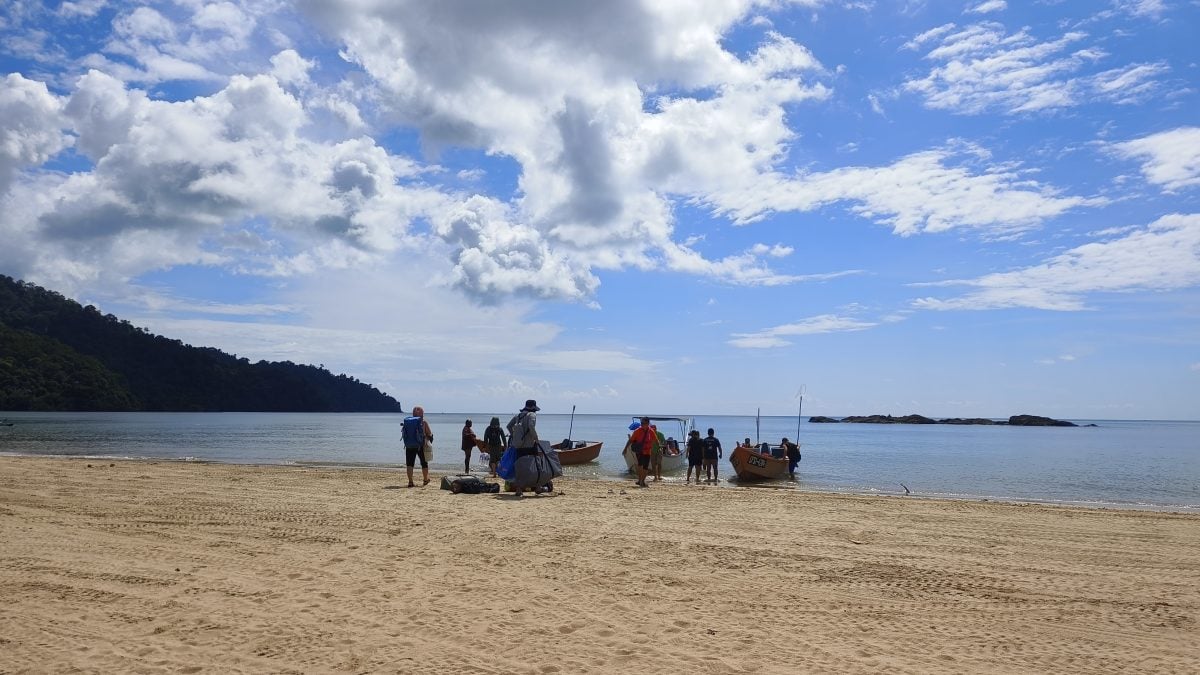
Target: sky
[{"x": 980, "y": 208}]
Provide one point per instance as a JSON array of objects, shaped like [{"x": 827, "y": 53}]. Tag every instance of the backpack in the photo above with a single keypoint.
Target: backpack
[
  {"x": 413, "y": 432},
  {"x": 522, "y": 435}
]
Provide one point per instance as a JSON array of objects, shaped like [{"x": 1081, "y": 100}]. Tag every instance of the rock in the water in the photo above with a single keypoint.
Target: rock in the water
[
  {"x": 1036, "y": 421},
  {"x": 967, "y": 420},
  {"x": 888, "y": 419},
  {"x": 821, "y": 419}
]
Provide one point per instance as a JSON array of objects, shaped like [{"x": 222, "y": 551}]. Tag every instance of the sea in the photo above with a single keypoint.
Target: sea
[{"x": 1114, "y": 464}]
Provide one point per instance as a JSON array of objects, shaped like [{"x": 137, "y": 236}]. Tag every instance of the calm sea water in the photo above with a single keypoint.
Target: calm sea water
[{"x": 1116, "y": 463}]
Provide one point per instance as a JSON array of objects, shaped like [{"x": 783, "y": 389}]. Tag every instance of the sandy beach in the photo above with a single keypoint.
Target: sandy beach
[{"x": 175, "y": 567}]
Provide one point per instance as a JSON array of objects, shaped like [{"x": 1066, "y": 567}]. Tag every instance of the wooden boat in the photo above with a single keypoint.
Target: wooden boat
[
  {"x": 671, "y": 463},
  {"x": 750, "y": 464},
  {"x": 577, "y": 452},
  {"x": 580, "y": 452}
]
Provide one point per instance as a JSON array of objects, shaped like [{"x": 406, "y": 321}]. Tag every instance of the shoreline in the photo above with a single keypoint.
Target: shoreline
[{"x": 672, "y": 480}]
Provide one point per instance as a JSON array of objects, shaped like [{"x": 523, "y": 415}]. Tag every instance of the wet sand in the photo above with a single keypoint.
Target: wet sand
[{"x": 175, "y": 567}]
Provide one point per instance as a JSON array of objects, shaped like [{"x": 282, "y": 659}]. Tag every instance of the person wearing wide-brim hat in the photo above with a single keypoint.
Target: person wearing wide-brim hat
[{"x": 522, "y": 429}]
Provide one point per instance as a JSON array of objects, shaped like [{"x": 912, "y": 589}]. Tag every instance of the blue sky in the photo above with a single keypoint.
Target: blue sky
[{"x": 956, "y": 209}]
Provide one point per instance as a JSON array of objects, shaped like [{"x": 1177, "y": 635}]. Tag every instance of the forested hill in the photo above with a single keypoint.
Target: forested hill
[{"x": 58, "y": 355}]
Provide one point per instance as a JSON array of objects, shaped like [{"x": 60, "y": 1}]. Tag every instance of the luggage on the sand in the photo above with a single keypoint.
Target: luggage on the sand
[
  {"x": 468, "y": 485},
  {"x": 474, "y": 487},
  {"x": 537, "y": 468},
  {"x": 448, "y": 479}
]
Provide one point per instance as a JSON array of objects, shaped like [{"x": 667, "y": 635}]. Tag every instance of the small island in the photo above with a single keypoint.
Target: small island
[{"x": 1014, "y": 421}]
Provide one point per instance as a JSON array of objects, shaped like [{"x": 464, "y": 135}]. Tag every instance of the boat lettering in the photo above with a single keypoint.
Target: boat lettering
[{"x": 756, "y": 461}]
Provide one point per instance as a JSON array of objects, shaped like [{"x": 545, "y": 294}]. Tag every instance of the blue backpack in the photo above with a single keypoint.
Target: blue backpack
[{"x": 413, "y": 432}]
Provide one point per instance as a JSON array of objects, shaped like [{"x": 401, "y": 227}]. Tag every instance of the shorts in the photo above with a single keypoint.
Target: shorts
[
  {"x": 695, "y": 460},
  {"x": 643, "y": 461},
  {"x": 656, "y": 455},
  {"x": 710, "y": 456},
  {"x": 411, "y": 455}
]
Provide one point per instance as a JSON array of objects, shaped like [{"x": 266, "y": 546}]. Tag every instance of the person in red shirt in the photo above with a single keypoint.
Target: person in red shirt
[{"x": 642, "y": 442}]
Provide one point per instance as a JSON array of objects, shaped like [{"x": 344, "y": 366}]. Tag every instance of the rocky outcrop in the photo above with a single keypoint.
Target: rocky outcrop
[
  {"x": 888, "y": 419},
  {"x": 1015, "y": 420},
  {"x": 1036, "y": 421}
]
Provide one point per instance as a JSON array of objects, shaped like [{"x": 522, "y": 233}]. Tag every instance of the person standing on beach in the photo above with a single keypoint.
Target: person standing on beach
[
  {"x": 468, "y": 445},
  {"x": 522, "y": 431},
  {"x": 417, "y": 434},
  {"x": 495, "y": 439},
  {"x": 642, "y": 442},
  {"x": 695, "y": 455},
  {"x": 712, "y": 452}
]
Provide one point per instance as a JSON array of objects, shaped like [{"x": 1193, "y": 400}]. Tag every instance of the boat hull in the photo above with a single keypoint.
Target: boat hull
[
  {"x": 581, "y": 455},
  {"x": 670, "y": 463},
  {"x": 750, "y": 465}
]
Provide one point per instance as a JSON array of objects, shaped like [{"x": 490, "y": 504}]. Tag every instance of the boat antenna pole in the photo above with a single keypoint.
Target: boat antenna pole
[
  {"x": 799, "y": 412},
  {"x": 757, "y": 432},
  {"x": 571, "y": 428}
]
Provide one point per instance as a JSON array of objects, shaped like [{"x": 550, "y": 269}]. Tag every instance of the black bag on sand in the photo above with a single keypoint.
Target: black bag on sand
[
  {"x": 470, "y": 485},
  {"x": 474, "y": 487},
  {"x": 447, "y": 481},
  {"x": 537, "y": 469}
]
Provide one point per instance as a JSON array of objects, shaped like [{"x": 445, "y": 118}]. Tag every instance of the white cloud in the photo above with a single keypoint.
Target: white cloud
[
  {"x": 172, "y": 178},
  {"x": 923, "y": 192},
  {"x": 31, "y": 126},
  {"x": 1152, "y": 8},
  {"x": 988, "y": 6},
  {"x": 1170, "y": 159},
  {"x": 983, "y": 69},
  {"x": 777, "y": 336},
  {"x": 1164, "y": 255},
  {"x": 612, "y": 130}
]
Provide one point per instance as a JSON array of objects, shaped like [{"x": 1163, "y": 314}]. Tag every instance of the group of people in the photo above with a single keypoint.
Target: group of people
[
  {"x": 520, "y": 433},
  {"x": 646, "y": 442},
  {"x": 648, "y": 447},
  {"x": 494, "y": 441}
]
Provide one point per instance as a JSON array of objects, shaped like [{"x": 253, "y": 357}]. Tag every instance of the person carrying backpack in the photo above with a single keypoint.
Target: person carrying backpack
[
  {"x": 416, "y": 434},
  {"x": 522, "y": 432}
]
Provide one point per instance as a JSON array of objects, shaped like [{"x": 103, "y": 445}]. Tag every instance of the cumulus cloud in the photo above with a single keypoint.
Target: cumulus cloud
[
  {"x": 611, "y": 131},
  {"x": 1162, "y": 256},
  {"x": 777, "y": 336},
  {"x": 985, "y": 69},
  {"x": 171, "y": 178},
  {"x": 1170, "y": 159},
  {"x": 32, "y": 128}
]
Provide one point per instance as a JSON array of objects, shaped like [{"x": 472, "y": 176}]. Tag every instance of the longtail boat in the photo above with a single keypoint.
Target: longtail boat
[
  {"x": 675, "y": 458},
  {"x": 577, "y": 452},
  {"x": 750, "y": 464}
]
